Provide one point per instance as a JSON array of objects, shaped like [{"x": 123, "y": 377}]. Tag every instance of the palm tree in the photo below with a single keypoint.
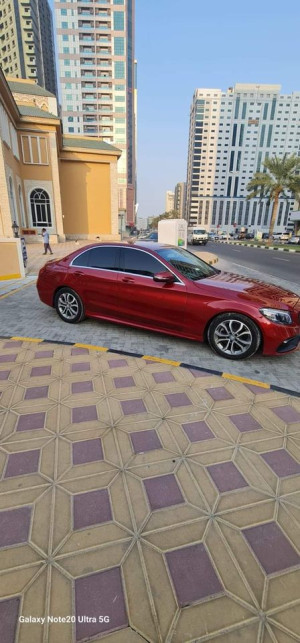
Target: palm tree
[{"x": 280, "y": 178}]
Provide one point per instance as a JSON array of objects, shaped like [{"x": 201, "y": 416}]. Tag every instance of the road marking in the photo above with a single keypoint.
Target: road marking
[
  {"x": 12, "y": 292},
  {"x": 279, "y": 259},
  {"x": 236, "y": 250},
  {"x": 36, "y": 340},
  {"x": 244, "y": 380}
]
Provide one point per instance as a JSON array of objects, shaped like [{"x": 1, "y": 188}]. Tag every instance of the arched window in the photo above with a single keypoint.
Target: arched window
[
  {"x": 12, "y": 200},
  {"x": 23, "y": 221},
  {"x": 40, "y": 208}
]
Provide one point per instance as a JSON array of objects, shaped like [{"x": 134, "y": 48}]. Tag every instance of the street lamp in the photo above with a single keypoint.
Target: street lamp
[{"x": 15, "y": 229}]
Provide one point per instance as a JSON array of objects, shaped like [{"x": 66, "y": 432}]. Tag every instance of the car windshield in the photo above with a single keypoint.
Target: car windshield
[
  {"x": 199, "y": 231},
  {"x": 187, "y": 263}
]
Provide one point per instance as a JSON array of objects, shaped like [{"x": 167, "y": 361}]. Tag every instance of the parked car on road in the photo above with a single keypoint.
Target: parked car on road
[
  {"x": 295, "y": 240},
  {"x": 167, "y": 289},
  {"x": 152, "y": 236}
]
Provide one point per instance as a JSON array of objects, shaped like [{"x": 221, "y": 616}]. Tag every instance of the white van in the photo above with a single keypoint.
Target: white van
[{"x": 197, "y": 236}]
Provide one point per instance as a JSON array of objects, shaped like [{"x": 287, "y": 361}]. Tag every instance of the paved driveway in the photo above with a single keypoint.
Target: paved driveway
[{"x": 22, "y": 314}]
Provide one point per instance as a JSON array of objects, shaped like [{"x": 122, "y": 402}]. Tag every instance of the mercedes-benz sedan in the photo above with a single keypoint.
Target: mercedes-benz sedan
[{"x": 168, "y": 289}]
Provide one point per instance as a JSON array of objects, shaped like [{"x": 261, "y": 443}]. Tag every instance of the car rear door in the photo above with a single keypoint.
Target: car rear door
[
  {"x": 145, "y": 302},
  {"x": 94, "y": 275}
]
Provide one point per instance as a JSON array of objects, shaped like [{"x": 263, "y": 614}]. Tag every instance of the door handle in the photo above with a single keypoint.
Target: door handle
[
  {"x": 78, "y": 273},
  {"x": 128, "y": 280}
]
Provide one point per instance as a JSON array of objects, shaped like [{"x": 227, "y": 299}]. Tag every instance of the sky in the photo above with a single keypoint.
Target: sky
[{"x": 183, "y": 45}]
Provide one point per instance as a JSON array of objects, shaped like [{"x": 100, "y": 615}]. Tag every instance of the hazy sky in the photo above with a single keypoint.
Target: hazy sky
[{"x": 184, "y": 45}]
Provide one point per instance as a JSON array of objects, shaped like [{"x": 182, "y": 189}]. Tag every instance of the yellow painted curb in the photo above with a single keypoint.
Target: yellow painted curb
[
  {"x": 91, "y": 347},
  {"x": 12, "y": 292},
  {"x": 6, "y": 277},
  {"x": 35, "y": 340},
  {"x": 161, "y": 360},
  {"x": 244, "y": 380}
]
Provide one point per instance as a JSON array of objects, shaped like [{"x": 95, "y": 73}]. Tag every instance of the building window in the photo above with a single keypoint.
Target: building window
[
  {"x": 34, "y": 149},
  {"x": 40, "y": 208},
  {"x": 118, "y": 20},
  {"x": 12, "y": 200},
  {"x": 119, "y": 48},
  {"x": 119, "y": 70},
  {"x": 21, "y": 202}
]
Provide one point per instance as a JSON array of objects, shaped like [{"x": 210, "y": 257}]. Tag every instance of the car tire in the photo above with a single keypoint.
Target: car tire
[
  {"x": 234, "y": 336},
  {"x": 69, "y": 306}
]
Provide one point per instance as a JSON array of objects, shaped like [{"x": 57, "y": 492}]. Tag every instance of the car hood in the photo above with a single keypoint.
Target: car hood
[{"x": 252, "y": 290}]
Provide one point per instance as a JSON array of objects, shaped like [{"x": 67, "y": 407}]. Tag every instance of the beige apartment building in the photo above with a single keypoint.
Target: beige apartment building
[{"x": 26, "y": 41}]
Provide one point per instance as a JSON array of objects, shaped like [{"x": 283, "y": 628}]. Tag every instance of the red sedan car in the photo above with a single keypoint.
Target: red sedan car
[{"x": 170, "y": 290}]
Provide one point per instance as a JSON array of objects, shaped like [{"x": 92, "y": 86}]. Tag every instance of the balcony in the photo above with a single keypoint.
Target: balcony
[{"x": 87, "y": 63}]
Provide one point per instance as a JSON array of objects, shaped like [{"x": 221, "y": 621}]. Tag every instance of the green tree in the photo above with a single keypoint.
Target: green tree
[
  {"x": 281, "y": 177},
  {"x": 173, "y": 214}
]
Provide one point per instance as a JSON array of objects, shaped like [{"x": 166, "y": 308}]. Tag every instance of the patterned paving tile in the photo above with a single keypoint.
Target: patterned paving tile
[
  {"x": 9, "y": 357},
  {"x": 287, "y": 413},
  {"x": 84, "y": 414},
  {"x": 197, "y": 373},
  {"x": 9, "y": 611},
  {"x": 43, "y": 354},
  {"x": 193, "y": 575},
  {"x": 22, "y": 463},
  {"x": 145, "y": 441},
  {"x": 36, "y": 392},
  {"x": 163, "y": 491},
  {"x": 91, "y": 508},
  {"x": 132, "y": 407},
  {"x": 76, "y": 350},
  {"x": 80, "y": 367},
  {"x": 117, "y": 363},
  {"x": 227, "y": 477},
  {"x": 31, "y": 421},
  {"x": 82, "y": 387},
  {"x": 198, "y": 431},
  {"x": 163, "y": 377},
  {"x": 4, "y": 375},
  {"x": 245, "y": 422},
  {"x": 178, "y": 399},
  {"x": 219, "y": 393},
  {"x": 13, "y": 344},
  {"x": 87, "y": 451},
  {"x": 282, "y": 463},
  {"x": 38, "y": 371},
  {"x": 106, "y": 589},
  {"x": 14, "y": 526},
  {"x": 124, "y": 382},
  {"x": 272, "y": 548}
]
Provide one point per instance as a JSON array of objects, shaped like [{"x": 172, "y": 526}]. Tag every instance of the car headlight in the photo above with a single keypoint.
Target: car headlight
[{"x": 277, "y": 316}]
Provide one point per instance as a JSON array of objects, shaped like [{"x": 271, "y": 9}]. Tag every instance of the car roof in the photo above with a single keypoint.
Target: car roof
[{"x": 149, "y": 245}]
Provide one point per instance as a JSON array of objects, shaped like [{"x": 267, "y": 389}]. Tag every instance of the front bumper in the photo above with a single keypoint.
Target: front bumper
[{"x": 288, "y": 344}]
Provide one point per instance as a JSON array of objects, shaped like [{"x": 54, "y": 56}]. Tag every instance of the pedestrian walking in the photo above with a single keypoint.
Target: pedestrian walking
[{"x": 46, "y": 241}]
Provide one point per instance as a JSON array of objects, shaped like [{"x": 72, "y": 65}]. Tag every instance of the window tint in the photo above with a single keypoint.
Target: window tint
[
  {"x": 140, "y": 263},
  {"x": 105, "y": 258},
  {"x": 82, "y": 260}
]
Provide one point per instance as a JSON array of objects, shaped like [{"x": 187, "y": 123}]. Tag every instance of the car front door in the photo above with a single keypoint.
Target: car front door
[
  {"x": 145, "y": 302},
  {"x": 94, "y": 275}
]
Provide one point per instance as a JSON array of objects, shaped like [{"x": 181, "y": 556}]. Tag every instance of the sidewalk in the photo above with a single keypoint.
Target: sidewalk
[{"x": 143, "y": 501}]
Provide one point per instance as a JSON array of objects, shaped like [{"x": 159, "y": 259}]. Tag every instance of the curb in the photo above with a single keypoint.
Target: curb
[
  {"x": 161, "y": 360},
  {"x": 251, "y": 245}
]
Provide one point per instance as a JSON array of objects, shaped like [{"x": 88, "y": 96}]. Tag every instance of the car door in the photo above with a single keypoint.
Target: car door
[
  {"x": 94, "y": 275},
  {"x": 145, "y": 302}
]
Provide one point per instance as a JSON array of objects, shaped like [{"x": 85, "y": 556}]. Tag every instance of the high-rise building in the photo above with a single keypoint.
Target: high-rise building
[
  {"x": 179, "y": 198},
  {"x": 169, "y": 201},
  {"x": 97, "y": 74},
  {"x": 26, "y": 41},
  {"x": 231, "y": 134}
]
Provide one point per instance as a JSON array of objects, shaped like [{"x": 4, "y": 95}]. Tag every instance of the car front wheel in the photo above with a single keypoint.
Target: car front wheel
[
  {"x": 234, "y": 336},
  {"x": 69, "y": 305}
]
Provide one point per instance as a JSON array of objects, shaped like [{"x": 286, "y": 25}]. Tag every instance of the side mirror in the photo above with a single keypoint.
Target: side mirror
[{"x": 164, "y": 277}]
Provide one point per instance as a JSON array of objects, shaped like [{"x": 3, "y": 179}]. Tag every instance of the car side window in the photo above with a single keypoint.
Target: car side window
[
  {"x": 82, "y": 259},
  {"x": 140, "y": 263},
  {"x": 104, "y": 257}
]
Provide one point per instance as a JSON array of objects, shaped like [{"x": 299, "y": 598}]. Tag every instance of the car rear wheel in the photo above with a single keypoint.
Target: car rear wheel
[
  {"x": 69, "y": 306},
  {"x": 234, "y": 336}
]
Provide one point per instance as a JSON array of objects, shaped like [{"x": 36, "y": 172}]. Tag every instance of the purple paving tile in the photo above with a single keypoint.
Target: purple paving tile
[
  {"x": 43, "y": 354},
  {"x": 103, "y": 591},
  {"x": 163, "y": 491},
  {"x": 257, "y": 389},
  {"x": 193, "y": 575},
  {"x": 13, "y": 344},
  {"x": 14, "y": 526},
  {"x": 198, "y": 431},
  {"x": 271, "y": 547},
  {"x": 82, "y": 387},
  {"x": 8, "y": 358},
  {"x": 226, "y": 476},
  {"x": 31, "y": 421},
  {"x": 36, "y": 392},
  {"x": 197, "y": 373},
  {"x": 178, "y": 399},
  {"x": 145, "y": 441},
  {"x": 117, "y": 363},
  {"x": 80, "y": 366},
  {"x": 91, "y": 508},
  {"x": 4, "y": 375},
  {"x": 287, "y": 413},
  {"x": 245, "y": 422},
  {"x": 124, "y": 382},
  {"x": 22, "y": 463},
  {"x": 132, "y": 407},
  {"x": 38, "y": 371},
  {"x": 9, "y": 611},
  {"x": 87, "y": 451},
  {"x": 76, "y": 350},
  {"x": 219, "y": 393},
  {"x": 282, "y": 463},
  {"x": 163, "y": 377},
  {"x": 84, "y": 414}
]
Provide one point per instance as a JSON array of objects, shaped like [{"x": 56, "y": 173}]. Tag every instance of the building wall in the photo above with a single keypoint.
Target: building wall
[
  {"x": 169, "y": 206},
  {"x": 231, "y": 134}
]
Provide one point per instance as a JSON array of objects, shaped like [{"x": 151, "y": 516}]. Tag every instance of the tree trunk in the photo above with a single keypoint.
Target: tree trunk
[{"x": 273, "y": 218}]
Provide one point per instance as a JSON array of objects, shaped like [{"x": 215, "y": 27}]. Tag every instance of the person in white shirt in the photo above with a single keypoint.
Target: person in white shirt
[{"x": 46, "y": 241}]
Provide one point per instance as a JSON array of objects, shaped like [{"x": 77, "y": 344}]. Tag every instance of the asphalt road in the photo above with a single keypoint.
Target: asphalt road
[{"x": 284, "y": 265}]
